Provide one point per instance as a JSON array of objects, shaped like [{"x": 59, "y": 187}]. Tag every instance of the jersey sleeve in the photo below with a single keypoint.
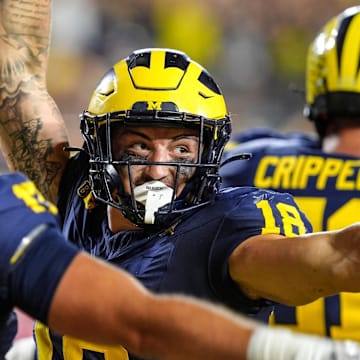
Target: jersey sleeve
[
  {"x": 254, "y": 212},
  {"x": 33, "y": 253},
  {"x": 33, "y": 280},
  {"x": 8, "y": 330}
]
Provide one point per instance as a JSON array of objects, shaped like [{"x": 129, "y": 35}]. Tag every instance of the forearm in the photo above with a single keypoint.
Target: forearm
[
  {"x": 32, "y": 131},
  {"x": 295, "y": 271},
  {"x": 208, "y": 332},
  {"x": 33, "y": 137},
  {"x": 203, "y": 330},
  {"x": 26, "y": 18},
  {"x": 168, "y": 327},
  {"x": 151, "y": 326},
  {"x": 24, "y": 41}
]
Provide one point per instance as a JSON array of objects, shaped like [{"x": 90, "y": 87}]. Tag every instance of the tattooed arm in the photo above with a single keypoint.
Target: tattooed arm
[{"x": 32, "y": 130}]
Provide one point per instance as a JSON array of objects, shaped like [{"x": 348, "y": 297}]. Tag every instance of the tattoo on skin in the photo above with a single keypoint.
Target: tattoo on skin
[
  {"x": 26, "y": 16},
  {"x": 30, "y": 155},
  {"x": 24, "y": 43}
]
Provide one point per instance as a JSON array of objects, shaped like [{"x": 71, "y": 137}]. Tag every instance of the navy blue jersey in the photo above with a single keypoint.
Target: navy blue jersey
[
  {"x": 8, "y": 331},
  {"x": 259, "y": 144},
  {"x": 26, "y": 278},
  {"x": 189, "y": 258},
  {"x": 326, "y": 187}
]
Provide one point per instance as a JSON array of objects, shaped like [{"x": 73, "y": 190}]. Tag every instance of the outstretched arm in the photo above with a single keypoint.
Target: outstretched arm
[
  {"x": 298, "y": 270},
  {"x": 75, "y": 293},
  {"x": 169, "y": 326},
  {"x": 166, "y": 327},
  {"x": 32, "y": 130}
]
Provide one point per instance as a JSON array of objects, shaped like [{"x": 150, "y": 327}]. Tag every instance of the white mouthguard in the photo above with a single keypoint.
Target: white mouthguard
[{"x": 153, "y": 195}]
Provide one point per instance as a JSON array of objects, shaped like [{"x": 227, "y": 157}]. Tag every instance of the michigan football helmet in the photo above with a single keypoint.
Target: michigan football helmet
[
  {"x": 157, "y": 88},
  {"x": 333, "y": 70}
]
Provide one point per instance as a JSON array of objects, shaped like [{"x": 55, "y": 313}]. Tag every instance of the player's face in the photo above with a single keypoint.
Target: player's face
[{"x": 156, "y": 145}]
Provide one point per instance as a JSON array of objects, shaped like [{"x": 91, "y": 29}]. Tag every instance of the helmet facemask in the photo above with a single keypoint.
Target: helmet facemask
[
  {"x": 154, "y": 202},
  {"x": 155, "y": 88}
]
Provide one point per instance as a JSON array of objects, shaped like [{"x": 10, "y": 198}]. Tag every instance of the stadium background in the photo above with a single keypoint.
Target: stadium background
[{"x": 255, "y": 49}]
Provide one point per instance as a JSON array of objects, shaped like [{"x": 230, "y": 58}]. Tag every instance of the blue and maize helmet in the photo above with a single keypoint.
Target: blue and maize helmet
[
  {"x": 333, "y": 71},
  {"x": 161, "y": 88}
]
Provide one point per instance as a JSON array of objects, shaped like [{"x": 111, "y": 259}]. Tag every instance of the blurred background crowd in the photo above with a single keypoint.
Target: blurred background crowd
[{"x": 255, "y": 49}]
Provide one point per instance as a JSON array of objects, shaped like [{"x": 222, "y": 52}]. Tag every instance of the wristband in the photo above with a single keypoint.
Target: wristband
[{"x": 268, "y": 343}]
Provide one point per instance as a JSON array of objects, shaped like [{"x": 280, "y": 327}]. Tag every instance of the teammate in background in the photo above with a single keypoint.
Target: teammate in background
[
  {"x": 142, "y": 193},
  {"x": 322, "y": 172}
]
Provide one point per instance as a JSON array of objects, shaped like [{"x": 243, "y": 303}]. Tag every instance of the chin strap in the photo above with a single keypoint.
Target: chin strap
[{"x": 153, "y": 195}]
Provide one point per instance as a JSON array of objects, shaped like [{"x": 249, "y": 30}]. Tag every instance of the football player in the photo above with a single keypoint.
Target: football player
[{"x": 321, "y": 171}]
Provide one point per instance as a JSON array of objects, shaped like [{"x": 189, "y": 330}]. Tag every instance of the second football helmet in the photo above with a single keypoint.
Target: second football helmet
[
  {"x": 333, "y": 70},
  {"x": 157, "y": 88}
]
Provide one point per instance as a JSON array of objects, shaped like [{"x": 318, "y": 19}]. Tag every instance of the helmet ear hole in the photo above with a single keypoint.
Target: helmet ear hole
[
  {"x": 319, "y": 110},
  {"x": 113, "y": 178}
]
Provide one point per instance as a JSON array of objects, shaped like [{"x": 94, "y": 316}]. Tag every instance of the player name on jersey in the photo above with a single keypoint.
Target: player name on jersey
[{"x": 295, "y": 172}]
